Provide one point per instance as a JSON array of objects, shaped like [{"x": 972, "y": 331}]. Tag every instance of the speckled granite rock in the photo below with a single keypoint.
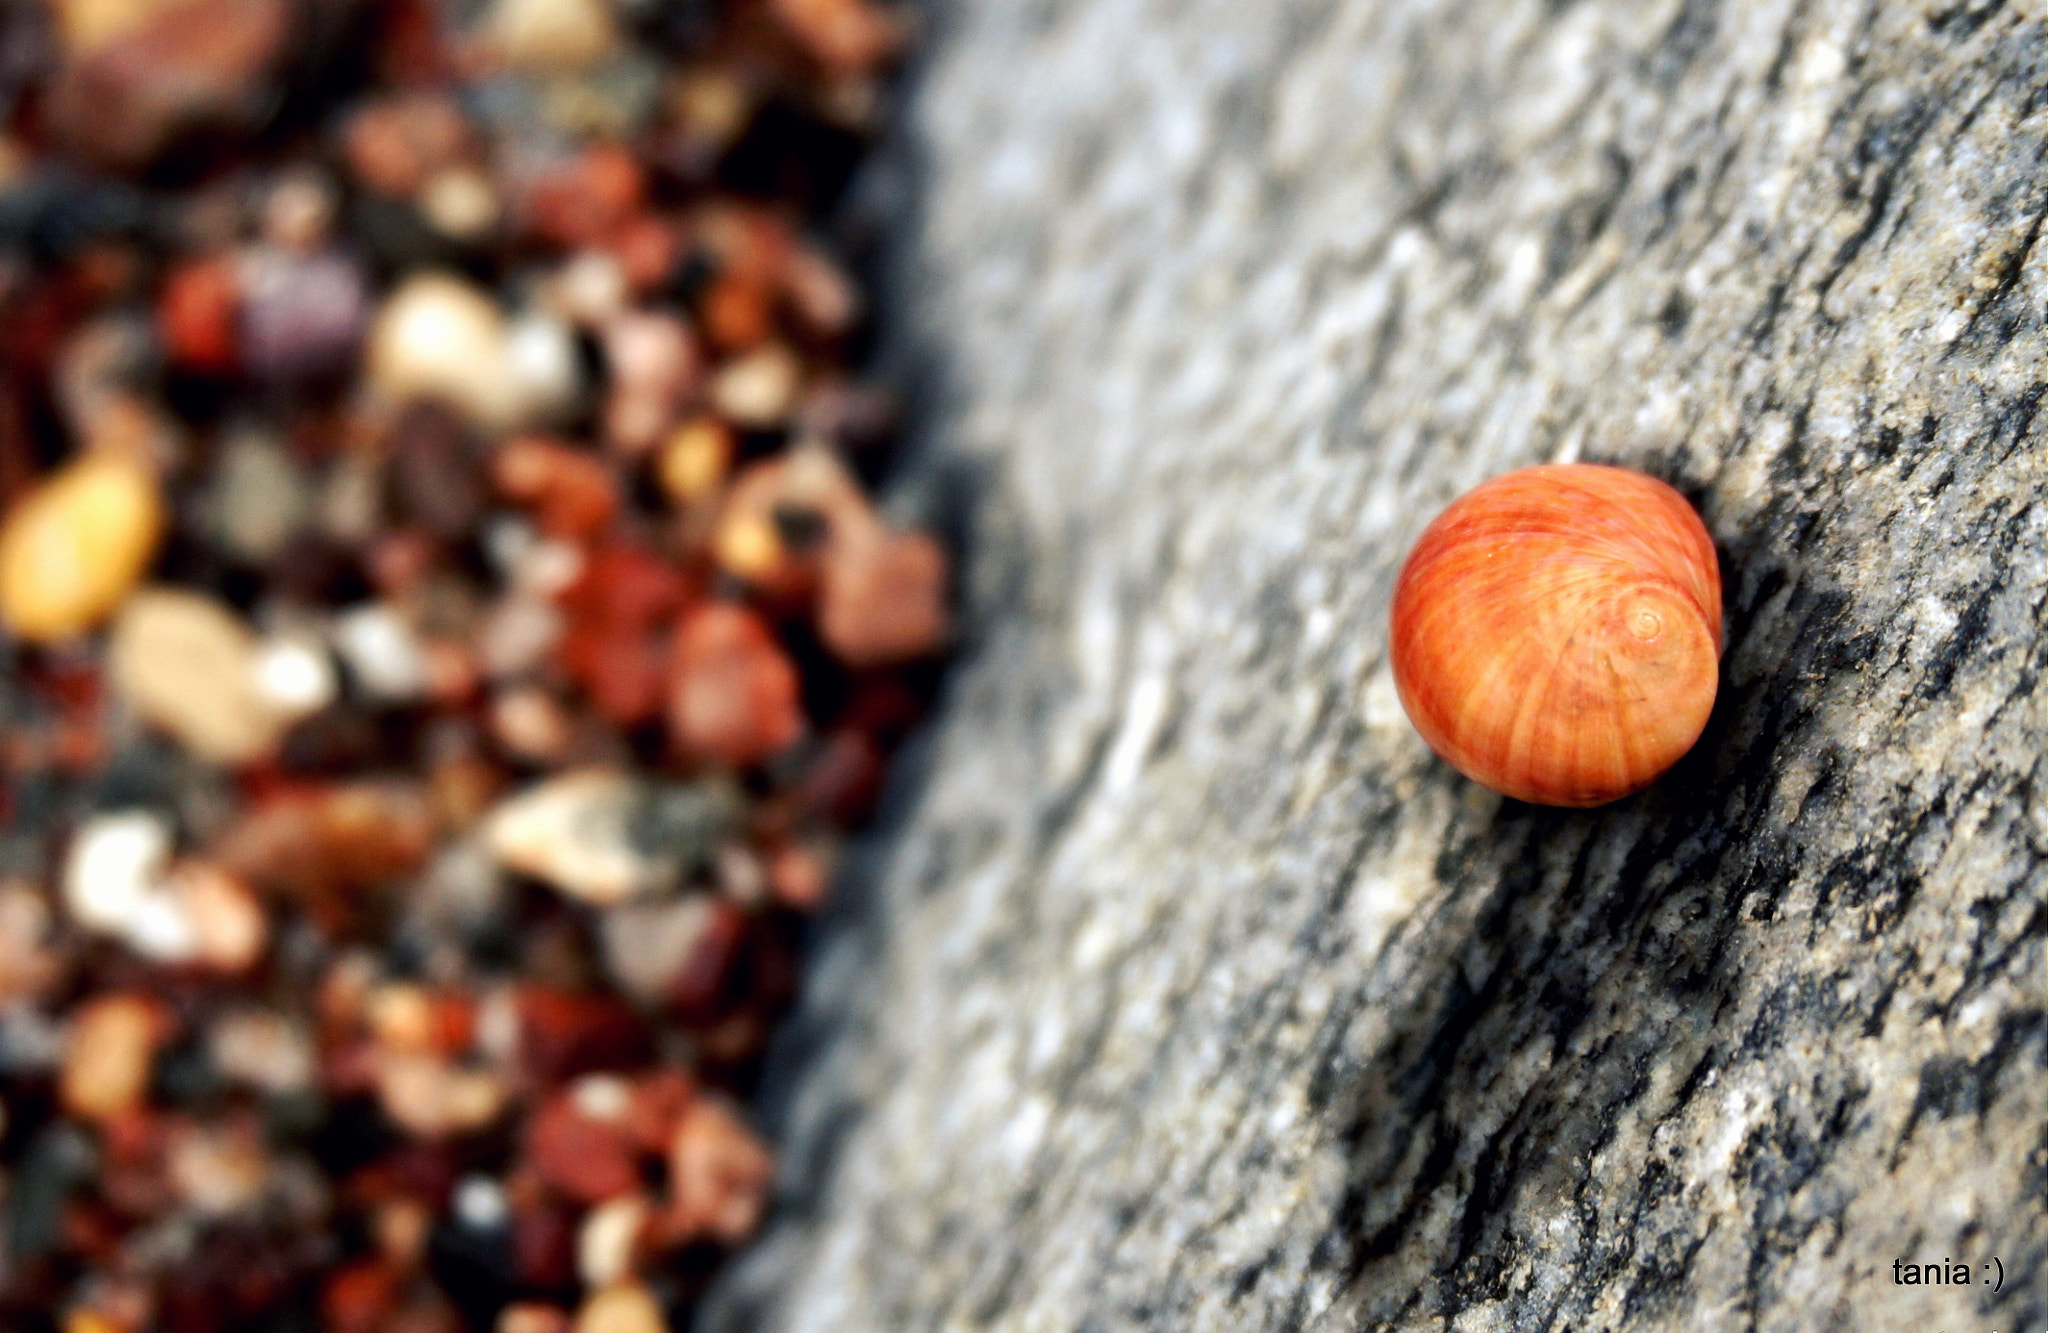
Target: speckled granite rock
[{"x": 1190, "y": 991}]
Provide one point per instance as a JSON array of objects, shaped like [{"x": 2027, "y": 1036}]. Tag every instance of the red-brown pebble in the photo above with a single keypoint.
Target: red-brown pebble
[
  {"x": 734, "y": 699},
  {"x": 587, "y": 199},
  {"x": 570, "y": 492},
  {"x": 359, "y": 1298},
  {"x": 587, "y": 1155},
  {"x": 883, "y": 600},
  {"x": 196, "y": 316}
]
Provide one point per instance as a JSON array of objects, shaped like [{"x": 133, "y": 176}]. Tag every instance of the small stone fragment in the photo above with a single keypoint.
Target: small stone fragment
[
  {"x": 531, "y": 725},
  {"x": 652, "y": 364},
  {"x": 401, "y": 1227},
  {"x": 73, "y": 548},
  {"x": 460, "y": 203},
  {"x": 302, "y": 314},
  {"x": 461, "y": 889},
  {"x": 605, "y": 1246},
  {"x": 431, "y": 1097},
  {"x": 581, "y": 1143},
  {"x": 298, "y": 211},
  {"x": 549, "y": 36},
  {"x": 479, "y": 1203},
  {"x": 217, "y": 1171},
  {"x": 590, "y": 289},
  {"x": 401, "y": 1017},
  {"x": 115, "y": 863},
  {"x": 394, "y": 144},
  {"x": 757, "y": 391},
  {"x": 439, "y": 337},
  {"x": 700, "y": 990},
  {"x": 517, "y": 635},
  {"x": 107, "y": 1055},
  {"x": 626, "y": 1308},
  {"x": 847, "y": 35},
  {"x": 648, "y": 248},
  {"x": 433, "y": 475},
  {"x": 187, "y": 663},
  {"x": 383, "y": 653},
  {"x": 262, "y": 1049},
  {"x": 799, "y": 876},
  {"x": 351, "y": 501},
  {"x": 710, "y": 107},
  {"x": 88, "y": 25},
  {"x": 220, "y": 923},
  {"x": 782, "y": 512},
  {"x": 332, "y": 844},
  {"x": 734, "y": 699},
  {"x": 572, "y": 831},
  {"x": 570, "y": 492},
  {"x": 823, "y": 296},
  {"x": 103, "y": 366},
  {"x": 541, "y": 360},
  {"x": 293, "y": 675},
  {"x": 883, "y": 599},
  {"x": 259, "y": 497},
  {"x": 738, "y": 310},
  {"x": 719, "y": 1174},
  {"x": 196, "y": 316},
  {"x": 360, "y": 1298},
  {"x": 587, "y": 198},
  {"x": 602, "y": 837},
  {"x": 84, "y": 1319},
  {"x": 647, "y": 946},
  {"x": 28, "y": 965},
  {"x": 742, "y": 876},
  {"x": 695, "y": 460},
  {"x": 196, "y": 63},
  {"x": 621, "y": 665},
  {"x": 529, "y": 1317}
]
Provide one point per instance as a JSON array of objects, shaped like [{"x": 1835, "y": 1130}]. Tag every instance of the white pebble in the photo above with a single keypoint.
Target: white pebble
[
  {"x": 646, "y": 946},
  {"x": 602, "y": 1096},
  {"x": 574, "y": 831},
  {"x": 604, "y": 1247},
  {"x": 294, "y": 676},
  {"x": 160, "y": 928},
  {"x": 540, "y": 358},
  {"x": 381, "y": 649},
  {"x": 758, "y": 390},
  {"x": 459, "y": 202},
  {"x": 441, "y": 337},
  {"x": 518, "y": 635},
  {"x": 480, "y": 1203},
  {"x": 590, "y": 289},
  {"x": 260, "y": 497},
  {"x": 115, "y": 862}
]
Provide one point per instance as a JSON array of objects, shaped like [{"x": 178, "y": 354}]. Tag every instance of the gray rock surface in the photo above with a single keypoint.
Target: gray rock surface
[{"x": 1188, "y": 990}]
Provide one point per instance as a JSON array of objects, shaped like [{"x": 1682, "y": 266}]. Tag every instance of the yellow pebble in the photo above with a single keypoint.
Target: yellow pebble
[
  {"x": 747, "y": 545},
  {"x": 75, "y": 546},
  {"x": 624, "y": 1308},
  {"x": 84, "y": 1320},
  {"x": 694, "y": 461}
]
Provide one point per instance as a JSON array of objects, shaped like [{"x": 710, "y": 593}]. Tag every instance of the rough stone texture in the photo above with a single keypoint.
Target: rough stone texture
[{"x": 1189, "y": 991}]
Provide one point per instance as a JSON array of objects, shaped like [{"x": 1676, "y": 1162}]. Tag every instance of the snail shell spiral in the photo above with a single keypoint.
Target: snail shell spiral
[{"x": 1557, "y": 633}]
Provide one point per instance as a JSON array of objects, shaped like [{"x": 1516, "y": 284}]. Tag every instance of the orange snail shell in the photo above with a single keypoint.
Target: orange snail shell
[{"x": 1557, "y": 633}]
